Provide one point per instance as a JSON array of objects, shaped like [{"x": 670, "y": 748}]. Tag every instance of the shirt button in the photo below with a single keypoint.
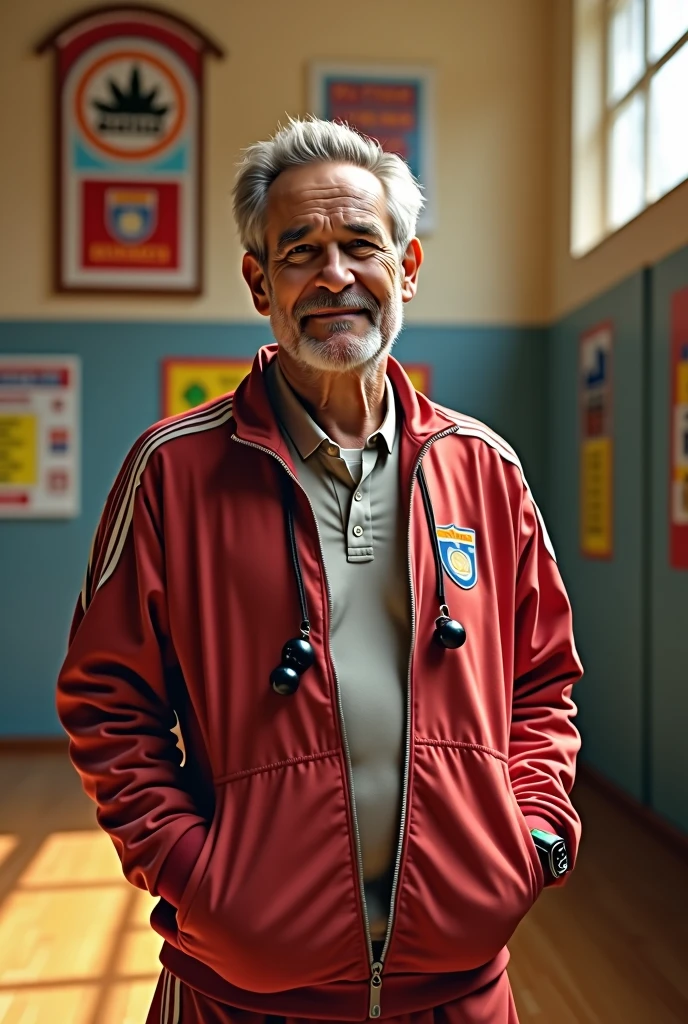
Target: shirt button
[
  {"x": 332, "y": 449},
  {"x": 358, "y": 531},
  {"x": 357, "y": 496}
]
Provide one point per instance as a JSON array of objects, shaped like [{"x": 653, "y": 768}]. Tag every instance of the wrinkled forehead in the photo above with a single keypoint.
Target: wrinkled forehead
[{"x": 325, "y": 196}]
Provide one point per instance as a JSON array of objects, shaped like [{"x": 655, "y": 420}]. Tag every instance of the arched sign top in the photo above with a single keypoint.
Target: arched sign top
[
  {"x": 91, "y": 18},
  {"x": 129, "y": 114}
]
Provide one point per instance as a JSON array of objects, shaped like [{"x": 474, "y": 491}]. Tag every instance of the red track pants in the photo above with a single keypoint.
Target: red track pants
[{"x": 176, "y": 1003}]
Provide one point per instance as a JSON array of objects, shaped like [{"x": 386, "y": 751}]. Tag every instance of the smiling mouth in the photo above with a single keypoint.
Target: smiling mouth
[{"x": 335, "y": 314}]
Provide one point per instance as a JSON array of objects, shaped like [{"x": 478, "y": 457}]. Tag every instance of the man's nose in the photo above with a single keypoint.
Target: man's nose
[{"x": 334, "y": 274}]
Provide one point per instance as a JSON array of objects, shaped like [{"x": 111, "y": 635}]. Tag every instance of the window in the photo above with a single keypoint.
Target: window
[{"x": 630, "y": 115}]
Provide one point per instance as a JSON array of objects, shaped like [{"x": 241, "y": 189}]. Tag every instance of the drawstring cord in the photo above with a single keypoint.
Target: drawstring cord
[
  {"x": 298, "y": 654},
  {"x": 288, "y": 493},
  {"x": 430, "y": 516}
]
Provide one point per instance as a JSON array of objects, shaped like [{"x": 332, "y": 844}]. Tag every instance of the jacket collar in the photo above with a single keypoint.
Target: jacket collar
[{"x": 257, "y": 424}]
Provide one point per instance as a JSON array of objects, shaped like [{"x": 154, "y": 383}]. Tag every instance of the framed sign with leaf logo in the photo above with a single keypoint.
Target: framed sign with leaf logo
[{"x": 129, "y": 128}]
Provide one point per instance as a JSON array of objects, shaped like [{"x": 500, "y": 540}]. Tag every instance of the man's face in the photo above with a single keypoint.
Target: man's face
[{"x": 333, "y": 284}]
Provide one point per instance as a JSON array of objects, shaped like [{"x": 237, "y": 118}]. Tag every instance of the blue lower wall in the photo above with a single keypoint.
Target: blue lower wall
[
  {"x": 630, "y": 613},
  {"x": 496, "y": 374},
  {"x": 608, "y": 597},
  {"x": 668, "y": 612}
]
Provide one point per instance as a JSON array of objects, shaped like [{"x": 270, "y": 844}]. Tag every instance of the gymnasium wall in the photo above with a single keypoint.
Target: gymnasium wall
[
  {"x": 668, "y": 588},
  {"x": 498, "y": 316},
  {"x": 486, "y": 260},
  {"x": 477, "y": 319},
  {"x": 495, "y": 373},
  {"x": 630, "y": 613}
]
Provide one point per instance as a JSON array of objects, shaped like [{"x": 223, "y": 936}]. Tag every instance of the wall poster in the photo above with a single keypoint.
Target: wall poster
[
  {"x": 391, "y": 104},
  {"x": 678, "y": 498},
  {"x": 128, "y": 151},
  {"x": 188, "y": 382},
  {"x": 39, "y": 436},
  {"x": 595, "y": 394},
  {"x": 420, "y": 376}
]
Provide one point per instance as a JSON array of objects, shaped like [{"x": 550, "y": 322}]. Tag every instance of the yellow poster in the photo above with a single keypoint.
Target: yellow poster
[
  {"x": 18, "y": 450},
  {"x": 190, "y": 382},
  {"x": 682, "y": 382},
  {"x": 419, "y": 375},
  {"x": 596, "y": 496},
  {"x": 595, "y": 382}
]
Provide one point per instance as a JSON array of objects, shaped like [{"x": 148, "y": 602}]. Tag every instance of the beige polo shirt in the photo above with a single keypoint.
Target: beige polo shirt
[{"x": 355, "y": 497}]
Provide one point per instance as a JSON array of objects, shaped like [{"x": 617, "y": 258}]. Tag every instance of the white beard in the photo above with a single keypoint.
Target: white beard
[{"x": 343, "y": 351}]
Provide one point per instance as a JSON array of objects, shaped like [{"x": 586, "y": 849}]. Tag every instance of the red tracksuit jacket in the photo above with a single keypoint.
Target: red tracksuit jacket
[{"x": 189, "y": 596}]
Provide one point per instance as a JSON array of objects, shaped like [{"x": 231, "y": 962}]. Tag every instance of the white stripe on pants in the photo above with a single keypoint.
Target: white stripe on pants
[{"x": 170, "y": 1014}]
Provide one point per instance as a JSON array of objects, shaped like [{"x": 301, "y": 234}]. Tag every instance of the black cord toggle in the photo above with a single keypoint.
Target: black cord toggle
[
  {"x": 448, "y": 632},
  {"x": 297, "y": 654}
]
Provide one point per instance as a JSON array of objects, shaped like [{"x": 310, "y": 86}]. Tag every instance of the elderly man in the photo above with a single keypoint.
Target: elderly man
[{"x": 347, "y": 597}]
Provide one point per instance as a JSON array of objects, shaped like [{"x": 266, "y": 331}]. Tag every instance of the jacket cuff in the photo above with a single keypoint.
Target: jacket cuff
[
  {"x": 536, "y": 821},
  {"x": 179, "y": 864}
]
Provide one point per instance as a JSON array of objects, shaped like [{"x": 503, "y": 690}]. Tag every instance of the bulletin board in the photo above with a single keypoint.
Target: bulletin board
[{"x": 39, "y": 436}]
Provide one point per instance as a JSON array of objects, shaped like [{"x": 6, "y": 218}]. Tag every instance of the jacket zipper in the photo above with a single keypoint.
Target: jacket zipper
[
  {"x": 376, "y": 979},
  {"x": 376, "y": 967}
]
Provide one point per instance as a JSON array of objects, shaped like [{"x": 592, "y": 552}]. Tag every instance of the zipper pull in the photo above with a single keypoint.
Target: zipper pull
[{"x": 375, "y": 990}]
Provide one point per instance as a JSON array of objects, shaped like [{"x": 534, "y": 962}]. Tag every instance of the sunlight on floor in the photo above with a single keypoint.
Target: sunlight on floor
[
  {"x": 73, "y": 857},
  {"x": 127, "y": 1002},
  {"x": 7, "y": 846},
  {"x": 70, "y": 1004},
  {"x": 75, "y": 943}
]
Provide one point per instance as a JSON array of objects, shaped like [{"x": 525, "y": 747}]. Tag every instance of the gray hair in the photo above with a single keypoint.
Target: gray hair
[{"x": 314, "y": 141}]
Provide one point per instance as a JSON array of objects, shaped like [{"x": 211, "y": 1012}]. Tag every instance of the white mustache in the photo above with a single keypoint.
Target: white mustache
[{"x": 340, "y": 301}]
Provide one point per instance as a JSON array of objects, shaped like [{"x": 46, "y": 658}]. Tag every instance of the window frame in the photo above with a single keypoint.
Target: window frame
[{"x": 610, "y": 109}]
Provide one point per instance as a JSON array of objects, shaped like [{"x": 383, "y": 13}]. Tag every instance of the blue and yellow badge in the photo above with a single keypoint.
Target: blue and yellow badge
[
  {"x": 131, "y": 215},
  {"x": 457, "y": 548}
]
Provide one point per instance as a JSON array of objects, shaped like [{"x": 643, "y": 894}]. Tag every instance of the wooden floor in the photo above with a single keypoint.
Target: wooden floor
[{"x": 611, "y": 947}]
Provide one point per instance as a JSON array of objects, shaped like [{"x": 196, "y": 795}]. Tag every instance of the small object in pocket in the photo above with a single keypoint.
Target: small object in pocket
[{"x": 552, "y": 852}]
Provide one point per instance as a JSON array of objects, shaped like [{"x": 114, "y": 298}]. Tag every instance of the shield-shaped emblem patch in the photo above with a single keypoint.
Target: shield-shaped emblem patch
[
  {"x": 131, "y": 215},
  {"x": 457, "y": 549}
]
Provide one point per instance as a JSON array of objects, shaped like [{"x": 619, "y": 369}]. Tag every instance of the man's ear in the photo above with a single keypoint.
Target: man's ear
[
  {"x": 410, "y": 265},
  {"x": 254, "y": 276}
]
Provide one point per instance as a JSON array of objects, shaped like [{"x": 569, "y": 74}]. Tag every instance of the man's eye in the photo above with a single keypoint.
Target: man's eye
[
  {"x": 299, "y": 249},
  {"x": 359, "y": 243}
]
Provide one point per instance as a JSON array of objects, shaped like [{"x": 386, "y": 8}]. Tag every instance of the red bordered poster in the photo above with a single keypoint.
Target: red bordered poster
[
  {"x": 595, "y": 394},
  {"x": 129, "y": 126},
  {"x": 678, "y": 496}
]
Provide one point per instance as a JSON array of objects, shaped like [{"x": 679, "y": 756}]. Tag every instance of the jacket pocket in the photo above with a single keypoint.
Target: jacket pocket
[
  {"x": 272, "y": 903},
  {"x": 197, "y": 874},
  {"x": 469, "y": 875},
  {"x": 531, "y": 849}
]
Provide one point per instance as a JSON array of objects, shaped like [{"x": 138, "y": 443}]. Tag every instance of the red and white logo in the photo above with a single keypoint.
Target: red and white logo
[{"x": 130, "y": 104}]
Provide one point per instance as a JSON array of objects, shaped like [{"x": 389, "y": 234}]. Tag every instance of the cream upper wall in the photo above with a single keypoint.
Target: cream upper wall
[
  {"x": 659, "y": 230},
  {"x": 486, "y": 262}
]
